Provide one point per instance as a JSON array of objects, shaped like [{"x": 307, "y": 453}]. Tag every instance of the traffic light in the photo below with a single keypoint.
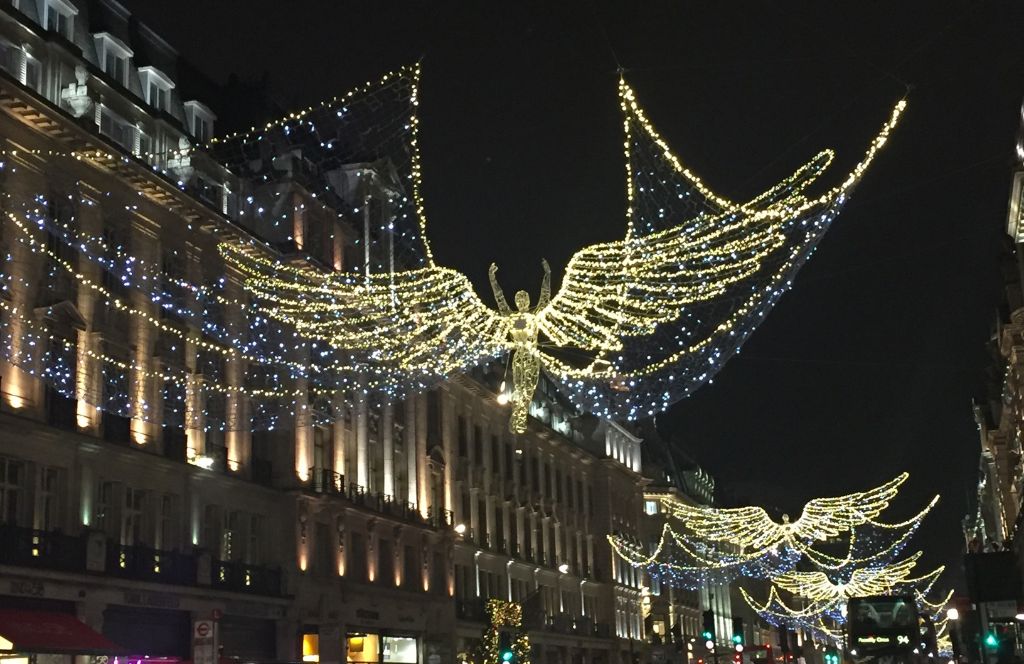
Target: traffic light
[
  {"x": 992, "y": 641},
  {"x": 737, "y": 633},
  {"x": 505, "y": 652},
  {"x": 737, "y": 658},
  {"x": 709, "y": 626},
  {"x": 831, "y": 657}
]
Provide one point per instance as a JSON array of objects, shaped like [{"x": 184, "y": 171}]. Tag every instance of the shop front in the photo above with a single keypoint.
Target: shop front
[
  {"x": 373, "y": 648},
  {"x": 365, "y": 647},
  {"x": 51, "y": 637}
]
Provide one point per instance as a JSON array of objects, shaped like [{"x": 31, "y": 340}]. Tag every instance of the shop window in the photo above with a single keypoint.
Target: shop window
[
  {"x": 363, "y": 648},
  {"x": 400, "y": 649},
  {"x": 310, "y": 647}
]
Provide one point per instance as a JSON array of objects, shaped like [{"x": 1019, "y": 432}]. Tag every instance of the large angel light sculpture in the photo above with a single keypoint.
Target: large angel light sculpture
[
  {"x": 654, "y": 314},
  {"x": 701, "y": 544}
]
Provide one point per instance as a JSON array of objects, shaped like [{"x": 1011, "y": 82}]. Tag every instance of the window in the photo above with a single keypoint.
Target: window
[
  {"x": 199, "y": 120},
  {"x": 105, "y": 507},
  {"x": 131, "y": 517},
  {"x": 117, "y": 129},
  {"x": 232, "y": 530},
  {"x": 363, "y": 648},
  {"x": 255, "y": 549},
  {"x": 166, "y": 528},
  {"x": 478, "y": 445},
  {"x": 114, "y": 55},
  {"x": 144, "y": 146},
  {"x": 59, "y": 17},
  {"x": 463, "y": 437},
  {"x": 156, "y": 86},
  {"x": 11, "y": 474},
  {"x": 650, "y": 507},
  {"x": 116, "y": 66},
  {"x": 33, "y": 73},
  {"x": 157, "y": 96},
  {"x": 400, "y": 650},
  {"x": 10, "y": 58},
  {"x": 49, "y": 499}
]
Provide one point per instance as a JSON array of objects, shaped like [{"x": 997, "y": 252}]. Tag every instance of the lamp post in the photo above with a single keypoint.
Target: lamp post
[{"x": 953, "y": 616}]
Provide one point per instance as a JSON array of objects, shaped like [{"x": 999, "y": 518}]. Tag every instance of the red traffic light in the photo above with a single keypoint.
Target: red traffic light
[{"x": 737, "y": 658}]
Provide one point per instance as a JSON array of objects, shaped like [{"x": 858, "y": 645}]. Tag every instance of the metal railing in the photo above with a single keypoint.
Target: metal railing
[
  {"x": 26, "y": 547},
  {"x": 327, "y": 482}
]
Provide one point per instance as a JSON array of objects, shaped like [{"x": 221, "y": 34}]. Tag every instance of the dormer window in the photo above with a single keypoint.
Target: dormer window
[
  {"x": 156, "y": 86},
  {"x": 200, "y": 121},
  {"x": 59, "y": 17},
  {"x": 113, "y": 55}
]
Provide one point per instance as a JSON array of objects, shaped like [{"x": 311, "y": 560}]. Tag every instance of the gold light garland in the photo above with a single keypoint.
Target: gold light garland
[{"x": 429, "y": 320}]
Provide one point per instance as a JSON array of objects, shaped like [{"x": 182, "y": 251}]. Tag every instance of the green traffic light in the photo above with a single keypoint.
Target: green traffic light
[
  {"x": 991, "y": 640},
  {"x": 506, "y": 656},
  {"x": 737, "y": 638},
  {"x": 707, "y": 635}
]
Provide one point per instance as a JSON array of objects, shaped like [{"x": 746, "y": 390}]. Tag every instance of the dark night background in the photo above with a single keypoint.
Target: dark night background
[{"x": 868, "y": 367}]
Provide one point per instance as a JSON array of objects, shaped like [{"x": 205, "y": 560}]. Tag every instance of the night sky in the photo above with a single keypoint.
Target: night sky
[{"x": 868, "y": 366}]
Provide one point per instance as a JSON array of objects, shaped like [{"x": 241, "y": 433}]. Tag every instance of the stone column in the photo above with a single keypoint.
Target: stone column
[
  {"x": 411, "y": 456},
  {"x": 387, "y": 433},
  {"x": 362, "y": 434},
  {"x": 338, "y": 433},
  {"x": 422, "y": 480}
]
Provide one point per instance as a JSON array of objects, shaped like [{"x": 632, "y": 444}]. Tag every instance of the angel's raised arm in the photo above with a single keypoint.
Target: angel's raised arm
[{"x": 499, "y": 296}]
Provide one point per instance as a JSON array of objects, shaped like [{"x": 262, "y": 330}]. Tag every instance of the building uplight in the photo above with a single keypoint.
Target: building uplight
[
  {"x": 204, "y": 462},
  {"x": 460, "y": 529},
  {"x": 564, "y": 568}
]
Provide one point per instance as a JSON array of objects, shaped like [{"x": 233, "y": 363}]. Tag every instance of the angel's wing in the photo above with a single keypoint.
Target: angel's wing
[
  {"x": 752, "y": 529},
  {"x": 748, "y": 527},
  {"x": 659, "y": 312},
  {"x": 824, "y": 518},
  {"x": 813, "y": 585},
  {"x": 425, "y": 321}
]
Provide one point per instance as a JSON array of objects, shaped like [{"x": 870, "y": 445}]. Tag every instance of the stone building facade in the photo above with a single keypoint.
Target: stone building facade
[{"x": 373, "y": 539}]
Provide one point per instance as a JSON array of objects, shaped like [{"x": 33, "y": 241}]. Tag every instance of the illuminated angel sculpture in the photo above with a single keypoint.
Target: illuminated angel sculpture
[
  {"x": 524, "y": 330},
  {"x": 654, "y": 315},
  {"x": 701, "y": 545},
  {"x": 752, "y": 530}
]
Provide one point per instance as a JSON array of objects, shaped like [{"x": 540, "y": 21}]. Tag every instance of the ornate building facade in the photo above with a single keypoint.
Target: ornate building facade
[
  {"x": 1000, "y": 415},
  {"x": 372, "y": 539}
]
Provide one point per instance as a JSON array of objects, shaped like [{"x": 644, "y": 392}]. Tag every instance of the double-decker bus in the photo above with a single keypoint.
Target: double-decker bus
[{"x": 887, "y": 628}]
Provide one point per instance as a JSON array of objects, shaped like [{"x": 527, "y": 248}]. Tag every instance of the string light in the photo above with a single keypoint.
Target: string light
[
  {"x": 430, "y": 320},
  {"x": 750, "y": 528},
  {"x": 508, "y": 616},
  {"x": 301, "y": 332}
]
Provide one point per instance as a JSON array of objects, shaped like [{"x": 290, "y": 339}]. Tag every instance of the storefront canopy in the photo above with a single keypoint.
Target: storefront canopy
[{"x": 50, "y": 632}]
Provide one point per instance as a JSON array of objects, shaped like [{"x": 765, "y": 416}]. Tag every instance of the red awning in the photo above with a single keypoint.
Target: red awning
[{"x": 49, "y": 632}]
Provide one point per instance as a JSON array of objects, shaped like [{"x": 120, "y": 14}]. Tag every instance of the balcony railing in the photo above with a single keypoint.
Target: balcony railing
[
  {"x": 38, "y": 548},
  {"x": 240, "y": 577},
  {"x": 147, "y": 564},
  {"x": 25, "y": 547},
  {"x": 327, "y": 482}
]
